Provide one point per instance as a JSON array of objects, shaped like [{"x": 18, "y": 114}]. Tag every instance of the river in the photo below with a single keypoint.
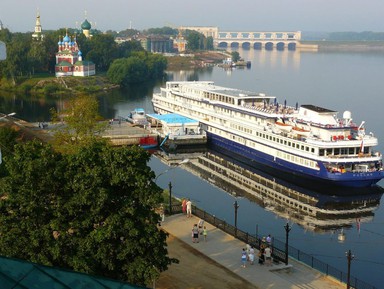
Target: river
[{"x": 336, "y": 80}]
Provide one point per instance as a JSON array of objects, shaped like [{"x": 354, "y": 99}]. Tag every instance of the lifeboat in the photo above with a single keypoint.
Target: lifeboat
[
  {"x": 283, "y": 126},
  {"x": 301, "y": 131}
]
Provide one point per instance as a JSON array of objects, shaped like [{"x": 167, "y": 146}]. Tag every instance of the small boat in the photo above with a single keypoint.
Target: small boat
[
  {"x": 148, "y": 142},
  {"x": 301, "y": 131},
  {"x": 138, "y": 117}
]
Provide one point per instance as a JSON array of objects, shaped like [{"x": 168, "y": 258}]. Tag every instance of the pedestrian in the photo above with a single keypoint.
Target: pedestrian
[
  {"x": 205, "y": 233},
  {"x": 195, "y": 234},
  {"x": 201, "y": 225},
  {"x": 261, "y": 255},
  {"x": 162, "y": 214},
  {"x": 252, "y": 251},
  {"x": 189, "y": 208},
  {"x": 268, "y": 256},
  {"x": 251, "y": 257},
  {"x": 269, "y": 239},
  {"x": 248, "y": 250},
  {"x": 243, "y": 258},
  {"x": 184, "y": 206}
]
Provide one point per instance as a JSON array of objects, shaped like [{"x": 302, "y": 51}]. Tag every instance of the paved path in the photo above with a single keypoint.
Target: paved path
[{"x": 226, "y": 250}]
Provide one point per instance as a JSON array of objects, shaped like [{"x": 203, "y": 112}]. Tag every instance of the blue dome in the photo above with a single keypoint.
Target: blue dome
[
  {"x": 59, "y": 43},
  {"x": 66, "y": 39},
  {"x": 79, "y": 53}
]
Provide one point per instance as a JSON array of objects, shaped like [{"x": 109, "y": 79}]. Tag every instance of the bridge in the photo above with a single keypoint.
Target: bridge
[
  {"x": 249, "y": 39},
  {"x": 258, "y": 40}
]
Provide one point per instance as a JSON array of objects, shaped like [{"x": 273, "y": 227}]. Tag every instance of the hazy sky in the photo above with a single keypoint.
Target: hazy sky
[{"x": 228, "y": 15}]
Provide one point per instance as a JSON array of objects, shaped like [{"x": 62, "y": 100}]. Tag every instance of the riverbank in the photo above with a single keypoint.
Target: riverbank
[
  {"x": 50, "y": 85},
  {"x": 196, "y": 60},
  {"x": 348, "y": 46}
]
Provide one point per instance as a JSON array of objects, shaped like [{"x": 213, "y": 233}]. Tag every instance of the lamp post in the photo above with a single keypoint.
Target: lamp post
[
  {"x": 170, "y": 198},
  {"x": 170, "y": 184},
  {"x": 287, "y": 229},
  {"x": 349, "y": 258},
  {"x": 236, "y": 206}
]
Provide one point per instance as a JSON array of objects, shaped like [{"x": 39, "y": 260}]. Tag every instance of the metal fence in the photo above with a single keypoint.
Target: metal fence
[{"x": 278, "y": 248}]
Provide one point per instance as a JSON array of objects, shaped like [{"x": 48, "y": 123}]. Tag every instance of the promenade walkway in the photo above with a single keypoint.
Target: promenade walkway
[{"x": 226, "y": 250}]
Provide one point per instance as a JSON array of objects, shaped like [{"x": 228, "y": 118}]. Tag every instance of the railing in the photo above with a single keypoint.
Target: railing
[{"x": 278, "y": 248}]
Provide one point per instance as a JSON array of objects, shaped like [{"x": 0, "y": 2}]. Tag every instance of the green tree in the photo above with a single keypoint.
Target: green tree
[
  {"x": 128, "y": 47},
  {"x": 8, "y": 139},
  {"x": 16, "y": 64},
  {"x": 166, "y": 31},
  {"x": 209, "y": 43},
  {"x": 82, "y": 124},
  {"x": 91, "y": 211},
  {"x": 235, "y": 56},
  {"x": 102, "y": 51},
  {"x": 193, "y": 40},
  {"x": 140, "y": 67}
]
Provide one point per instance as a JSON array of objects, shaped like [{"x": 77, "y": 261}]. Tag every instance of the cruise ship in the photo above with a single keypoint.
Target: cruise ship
[{"x": 306, "y": 143}]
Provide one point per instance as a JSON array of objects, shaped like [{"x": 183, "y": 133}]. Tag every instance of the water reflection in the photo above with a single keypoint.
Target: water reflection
[{"x": 314, "y": 210}]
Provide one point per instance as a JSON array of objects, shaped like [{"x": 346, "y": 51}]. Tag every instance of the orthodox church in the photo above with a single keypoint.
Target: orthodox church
[{"x": 69, "y": 59}]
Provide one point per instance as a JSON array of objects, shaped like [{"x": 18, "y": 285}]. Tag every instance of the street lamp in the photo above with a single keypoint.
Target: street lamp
[
  {"x": 170, "y": 184},
  {"x": 236, "y": 206},
  {"x": 349, "y": 258},
  {"x": 287, "y": 229}
]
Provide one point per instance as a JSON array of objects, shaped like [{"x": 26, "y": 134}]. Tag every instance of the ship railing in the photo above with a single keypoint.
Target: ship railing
[{"x": 278, "y": 248}]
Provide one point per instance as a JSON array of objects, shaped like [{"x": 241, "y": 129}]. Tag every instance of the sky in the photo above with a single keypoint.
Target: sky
[{"x": 228, "y": 15}]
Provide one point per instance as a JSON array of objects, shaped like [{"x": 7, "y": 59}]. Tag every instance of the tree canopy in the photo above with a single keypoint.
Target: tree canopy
[
  {"x": 81, "y": 124},
  {"x": 139, "y": 67},
  {"x": 91, "y": 211}
]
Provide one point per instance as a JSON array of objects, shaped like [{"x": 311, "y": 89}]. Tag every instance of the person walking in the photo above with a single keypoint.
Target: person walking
[
  {"x": 184, "y": 206},
  {"x": 261, "y": 254},
  {"x": 205, "y": 233},
  {"x": 189, "y": 208},
  {"x": 268, "y": 256},
  {"x": 195, "y": 234},
  {"x": 243, "y": 258}
]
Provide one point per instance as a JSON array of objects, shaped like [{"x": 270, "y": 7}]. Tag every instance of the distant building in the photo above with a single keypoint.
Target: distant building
[
  {"x": 157, "y": 44},
  {"x": 69, "y": 60},
  {"x": 38, "y": 34},
  {"x": 180, "y": 44},
  {"x": 207, "y": 31}
]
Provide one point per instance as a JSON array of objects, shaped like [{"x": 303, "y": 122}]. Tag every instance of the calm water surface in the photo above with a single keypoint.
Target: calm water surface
[{"x": 339, "y": 81}]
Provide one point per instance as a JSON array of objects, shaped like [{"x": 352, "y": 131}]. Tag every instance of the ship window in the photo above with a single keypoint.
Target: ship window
[
  {"x": 312, "y": 150},
  {"x": 321, "y": 152},
  {"x": 337, "y": 151},
  {"x": 329, "y": 152},
  {"x": 351, "y": 151}
]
